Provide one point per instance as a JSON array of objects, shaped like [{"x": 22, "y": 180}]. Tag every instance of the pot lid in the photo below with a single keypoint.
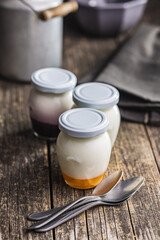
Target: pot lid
[
  {"x": 35, "y": 5},
  {"x": 40, "y": 5},
  {"x": 53, "y": 80},
  {"x": 95, "y": 95},
  {"x": 83, "y": 122}
]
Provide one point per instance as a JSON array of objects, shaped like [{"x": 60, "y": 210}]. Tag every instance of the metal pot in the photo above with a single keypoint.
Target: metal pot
[
  {"x": 109, "y": 17},
  {"x": 28, "y": 43}
]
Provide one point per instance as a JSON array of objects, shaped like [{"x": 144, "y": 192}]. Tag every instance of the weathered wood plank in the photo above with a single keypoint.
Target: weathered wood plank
[
  {"x": 83, "y": 53},
  {"x": 24, "y": 181},
  {"x": 140, "y": 160},
  {"x": 154, "y": 136},
  {"x": 135, "y": 156}
]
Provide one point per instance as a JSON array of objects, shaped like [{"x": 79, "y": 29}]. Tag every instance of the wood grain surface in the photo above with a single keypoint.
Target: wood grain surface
[
  {"x": 30, "y": 178},
  {"x": 24, "y": 173}
]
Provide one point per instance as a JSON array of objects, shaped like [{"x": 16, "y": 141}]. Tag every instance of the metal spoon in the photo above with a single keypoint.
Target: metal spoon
[
  {"x": 106, "y": 185},
  {"x": 116, "y": 196}
]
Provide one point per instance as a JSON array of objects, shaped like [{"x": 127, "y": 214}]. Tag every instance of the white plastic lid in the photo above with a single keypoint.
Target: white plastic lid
[
  {"x": 96, "y": 95},
  {"x": 83, "y": 122},
  {"x": 53, "y": 80}
]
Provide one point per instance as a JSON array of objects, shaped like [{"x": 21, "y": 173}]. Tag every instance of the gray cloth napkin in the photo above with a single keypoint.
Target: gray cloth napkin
[{"x": 135, "y": 71}]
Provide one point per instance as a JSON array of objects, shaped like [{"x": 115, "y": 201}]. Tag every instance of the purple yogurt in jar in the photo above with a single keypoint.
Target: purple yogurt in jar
[{"x": 51, "y": 95}]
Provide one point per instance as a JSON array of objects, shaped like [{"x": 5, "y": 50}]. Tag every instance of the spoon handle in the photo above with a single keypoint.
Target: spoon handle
[
  {"x": 67, "y": 216},
  {"x": 42, "y": 215},
  {"x": 62, "y": 210}
]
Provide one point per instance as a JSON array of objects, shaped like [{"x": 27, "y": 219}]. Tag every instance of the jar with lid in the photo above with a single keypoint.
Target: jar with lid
[
  {"x": 103, "y": 97},
  {"x": 83, "y": 147},
  {"x": 51, "y": 95}
]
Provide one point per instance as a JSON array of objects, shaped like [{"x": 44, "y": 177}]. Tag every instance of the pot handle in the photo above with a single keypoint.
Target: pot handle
[{"x": 59, "y": 11}]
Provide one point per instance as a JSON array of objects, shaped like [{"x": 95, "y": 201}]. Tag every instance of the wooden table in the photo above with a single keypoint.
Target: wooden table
[{"x": 30, "y": 179}]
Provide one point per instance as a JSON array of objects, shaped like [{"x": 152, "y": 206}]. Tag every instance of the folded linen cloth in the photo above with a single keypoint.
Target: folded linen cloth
[{"x": 135, "y": 71}]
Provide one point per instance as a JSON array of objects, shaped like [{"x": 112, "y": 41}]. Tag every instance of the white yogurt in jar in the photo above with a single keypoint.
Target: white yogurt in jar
[
  {"x": 51, "y": 95},
  {"x": 48, "y": 107},
  {"x": 103, "y": 97},
  {"x": 83, "y": 147}
]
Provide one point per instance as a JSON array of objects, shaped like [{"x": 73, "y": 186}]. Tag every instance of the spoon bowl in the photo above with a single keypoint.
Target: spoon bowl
[{"x": 124, "y": 190}]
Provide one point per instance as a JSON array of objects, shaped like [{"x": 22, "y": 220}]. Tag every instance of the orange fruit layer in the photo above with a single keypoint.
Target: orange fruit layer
[{"x": 82, "y": 183}]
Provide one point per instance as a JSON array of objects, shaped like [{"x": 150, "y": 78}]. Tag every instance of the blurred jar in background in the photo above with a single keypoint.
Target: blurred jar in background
[
  {"x": 51, "y": 95},
  {"x": 103, "y": 97}
]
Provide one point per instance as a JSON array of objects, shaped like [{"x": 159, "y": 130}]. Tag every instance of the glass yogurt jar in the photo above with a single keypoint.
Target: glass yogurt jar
[
  {"x": 51, "y": 95},
  {"x": 103, "y": 97},
  {"x": 83, "y": 147}
]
